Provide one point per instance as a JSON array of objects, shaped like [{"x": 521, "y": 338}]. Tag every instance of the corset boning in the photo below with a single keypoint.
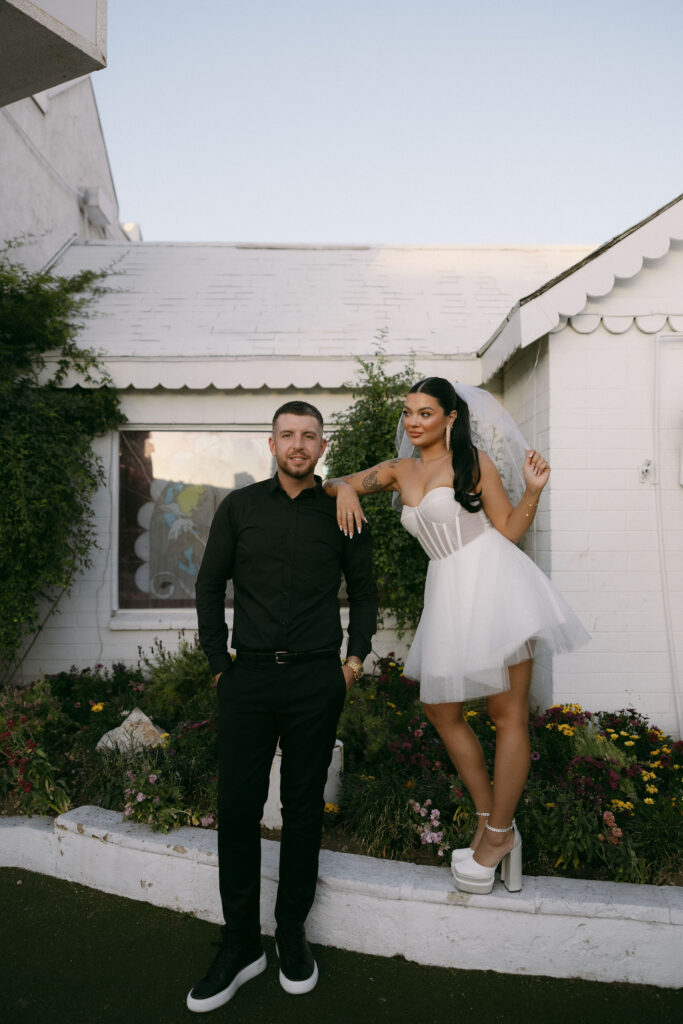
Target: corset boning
[{"x": 441, "y": 525}]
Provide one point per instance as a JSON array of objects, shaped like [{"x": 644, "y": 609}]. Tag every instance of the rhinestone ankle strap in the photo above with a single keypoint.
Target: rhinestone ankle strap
[
  {"x": 483, "y": 814},
  {"x": 508, "y": 829}
]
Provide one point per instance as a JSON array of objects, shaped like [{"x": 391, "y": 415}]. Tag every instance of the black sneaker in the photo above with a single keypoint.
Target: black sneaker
[
  {"x": 232, "y": 966},
  {"x": 298, "y": 969}
]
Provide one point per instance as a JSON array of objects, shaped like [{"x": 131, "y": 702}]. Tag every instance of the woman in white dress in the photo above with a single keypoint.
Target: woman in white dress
[{"x": 486, "y": 604}]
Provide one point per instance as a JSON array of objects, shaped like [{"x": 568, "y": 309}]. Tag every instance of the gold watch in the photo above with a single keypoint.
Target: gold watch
[{"x": 356, "y": 668}]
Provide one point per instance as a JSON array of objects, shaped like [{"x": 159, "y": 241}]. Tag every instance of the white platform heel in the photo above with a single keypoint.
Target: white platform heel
[
  {"x": 477, "y": 878},
  {"x": 463, "y": 852}
]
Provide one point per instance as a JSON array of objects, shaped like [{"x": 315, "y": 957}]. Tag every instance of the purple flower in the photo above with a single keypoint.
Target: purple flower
[
  {"x": 140, "y": 797},
  {"x": 535, "y": 756},
  {"x": 153, "y": 778},
  {"x": 127, "y": 810},
  {"x": 207, "y": 820}
]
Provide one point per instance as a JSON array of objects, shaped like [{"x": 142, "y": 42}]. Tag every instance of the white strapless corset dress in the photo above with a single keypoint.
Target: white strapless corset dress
[{"x": 485, "y": 605}]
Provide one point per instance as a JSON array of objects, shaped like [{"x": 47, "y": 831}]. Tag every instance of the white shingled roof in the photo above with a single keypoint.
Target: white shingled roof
[{"x": 196, "y": 314}]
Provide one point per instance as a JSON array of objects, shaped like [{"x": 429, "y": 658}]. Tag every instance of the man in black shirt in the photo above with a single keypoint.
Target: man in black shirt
[{"x": 279, "y": 542}]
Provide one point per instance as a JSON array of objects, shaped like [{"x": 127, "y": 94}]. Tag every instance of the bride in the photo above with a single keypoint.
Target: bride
[{"x": 486, "y": 604}]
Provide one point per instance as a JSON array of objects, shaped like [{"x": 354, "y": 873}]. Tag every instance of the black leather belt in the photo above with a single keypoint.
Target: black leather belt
[{"x": 284, "y": 657}]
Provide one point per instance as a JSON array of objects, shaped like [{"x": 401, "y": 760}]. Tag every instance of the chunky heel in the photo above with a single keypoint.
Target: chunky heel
[
  {"x": 511, "y": 867},
  {"x": 470, "y": 876}
]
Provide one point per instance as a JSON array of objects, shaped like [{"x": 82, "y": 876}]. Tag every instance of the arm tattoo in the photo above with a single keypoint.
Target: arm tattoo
[{"x": 370, "y": 482}]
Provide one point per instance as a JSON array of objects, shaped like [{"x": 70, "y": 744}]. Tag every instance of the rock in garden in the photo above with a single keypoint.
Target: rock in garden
[{"x": 136, "y": 731}]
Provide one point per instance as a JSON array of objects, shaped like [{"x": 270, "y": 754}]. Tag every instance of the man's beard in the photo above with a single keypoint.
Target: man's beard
[{"x": 296, "y": 474}]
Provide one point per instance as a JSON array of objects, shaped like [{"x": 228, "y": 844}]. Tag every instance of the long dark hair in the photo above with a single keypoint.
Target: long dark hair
[{"x": 465, "y": 457}]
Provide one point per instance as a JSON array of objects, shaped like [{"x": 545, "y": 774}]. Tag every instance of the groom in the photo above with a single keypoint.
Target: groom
[{"x": 279, "y": 542}]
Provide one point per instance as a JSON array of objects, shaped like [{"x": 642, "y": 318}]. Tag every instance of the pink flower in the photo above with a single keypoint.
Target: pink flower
[
  {"x": 156, "y": 800},
  {"x": 153, "y": 778},
  {"x": 127, "y": 810},
  {"x": 140, "y": 797},
  {"x": 418, "y": 732},
  {"x": 207, "y": 820}
]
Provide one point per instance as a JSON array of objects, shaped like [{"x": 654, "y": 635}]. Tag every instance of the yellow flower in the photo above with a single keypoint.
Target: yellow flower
[
  {"x": 550, "y": 805},
  {"x": 666, "y": 750},
  {"x": 648, "y": 800},
  {"x": 331, "y": 808},
  {"x": 471, "y": 714},
  {"x": 622, "y": 805},
  {"x": 549, "y": 725},
  {"x": 601, "y": 739},
  {"x": 629, "y": 743},
  {"x": 622, "y": 733},
  {"x": 653, "y": 753},
  {"x": 652, "y": 789},
  {"x": 97, "y": 707},
  {"x": 390, "y": 705},
  {"x": 392, "y": 664}
]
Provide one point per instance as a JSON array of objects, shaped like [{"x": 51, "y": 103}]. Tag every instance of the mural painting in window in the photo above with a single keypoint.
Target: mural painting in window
[{"x": 171, "y": 482}]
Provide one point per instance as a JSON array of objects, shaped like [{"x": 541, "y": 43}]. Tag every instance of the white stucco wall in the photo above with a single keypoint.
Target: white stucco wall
[
  {"x": 49, "y": 150},
  {"x": 614, "y": 558}
]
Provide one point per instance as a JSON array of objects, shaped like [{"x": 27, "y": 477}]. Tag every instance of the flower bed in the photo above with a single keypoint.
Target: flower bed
[{"x": 603, "y": 798}]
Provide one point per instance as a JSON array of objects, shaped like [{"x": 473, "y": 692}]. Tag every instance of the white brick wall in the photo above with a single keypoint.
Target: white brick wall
[
  {"x": 525, "y": 395},
  {"x": 604, "y": 535}
]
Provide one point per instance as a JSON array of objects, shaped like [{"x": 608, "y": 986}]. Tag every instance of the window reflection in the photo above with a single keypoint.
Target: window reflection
[{"x": 171, "y": 483}]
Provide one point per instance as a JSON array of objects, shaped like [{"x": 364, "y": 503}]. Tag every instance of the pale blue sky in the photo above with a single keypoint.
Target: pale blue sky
[{"x": 426, "y": 122}]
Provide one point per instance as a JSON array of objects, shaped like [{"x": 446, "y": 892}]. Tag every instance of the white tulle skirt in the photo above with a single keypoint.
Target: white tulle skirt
[{"x": 486, "y": 605}]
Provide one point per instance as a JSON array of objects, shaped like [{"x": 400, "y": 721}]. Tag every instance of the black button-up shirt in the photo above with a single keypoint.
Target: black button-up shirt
[{"x": 286, "y": 557}]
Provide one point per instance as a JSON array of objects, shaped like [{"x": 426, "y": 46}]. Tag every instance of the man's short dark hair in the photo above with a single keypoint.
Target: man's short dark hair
[{"x": 299, "y": 409}]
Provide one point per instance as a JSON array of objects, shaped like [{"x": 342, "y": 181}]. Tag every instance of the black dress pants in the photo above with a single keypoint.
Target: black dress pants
[{"x": 299, "y": 704}]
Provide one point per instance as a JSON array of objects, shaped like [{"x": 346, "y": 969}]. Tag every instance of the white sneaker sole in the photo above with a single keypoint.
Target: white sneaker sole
[
  {"x": 220, "y": 998},
  {"x": 299, "y": 988}
]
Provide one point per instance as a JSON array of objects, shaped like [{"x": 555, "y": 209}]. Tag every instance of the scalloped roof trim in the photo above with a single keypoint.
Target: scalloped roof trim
[{"x": 564, "y": 297}]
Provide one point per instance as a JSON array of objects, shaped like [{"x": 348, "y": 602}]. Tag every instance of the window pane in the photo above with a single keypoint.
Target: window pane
[{"x": 171, "y": 483}]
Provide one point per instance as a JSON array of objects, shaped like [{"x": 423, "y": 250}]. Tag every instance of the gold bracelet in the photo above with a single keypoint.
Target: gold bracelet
[
  {"x": 527, "y": 515},
  {"x": 357, "y": 669}
]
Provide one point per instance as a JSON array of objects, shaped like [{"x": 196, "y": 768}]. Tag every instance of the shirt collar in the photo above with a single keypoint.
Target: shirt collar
[{"x": 315, "y": 492}]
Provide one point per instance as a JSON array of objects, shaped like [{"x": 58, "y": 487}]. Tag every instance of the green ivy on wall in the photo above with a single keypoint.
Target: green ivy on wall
[
  {"x": 48, "y": 469},
  {"x": 364, "y": 435}
]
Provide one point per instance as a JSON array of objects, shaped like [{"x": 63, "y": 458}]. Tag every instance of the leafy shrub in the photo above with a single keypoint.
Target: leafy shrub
[
  {"x": 50, "y": 472},
  {"x": 365, "y": 434}
]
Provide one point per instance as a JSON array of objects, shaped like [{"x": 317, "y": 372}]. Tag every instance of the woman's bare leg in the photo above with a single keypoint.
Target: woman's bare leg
[
  {"x": 466, "y": 754},
  {"x": 509, "y": 713}
]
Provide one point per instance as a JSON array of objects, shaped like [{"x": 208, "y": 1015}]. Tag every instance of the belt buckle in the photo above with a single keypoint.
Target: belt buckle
[{"x": 280, "y": 657}]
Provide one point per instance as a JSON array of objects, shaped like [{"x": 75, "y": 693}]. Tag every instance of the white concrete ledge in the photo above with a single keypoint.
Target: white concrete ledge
[{"x": 562, "y": 928}]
